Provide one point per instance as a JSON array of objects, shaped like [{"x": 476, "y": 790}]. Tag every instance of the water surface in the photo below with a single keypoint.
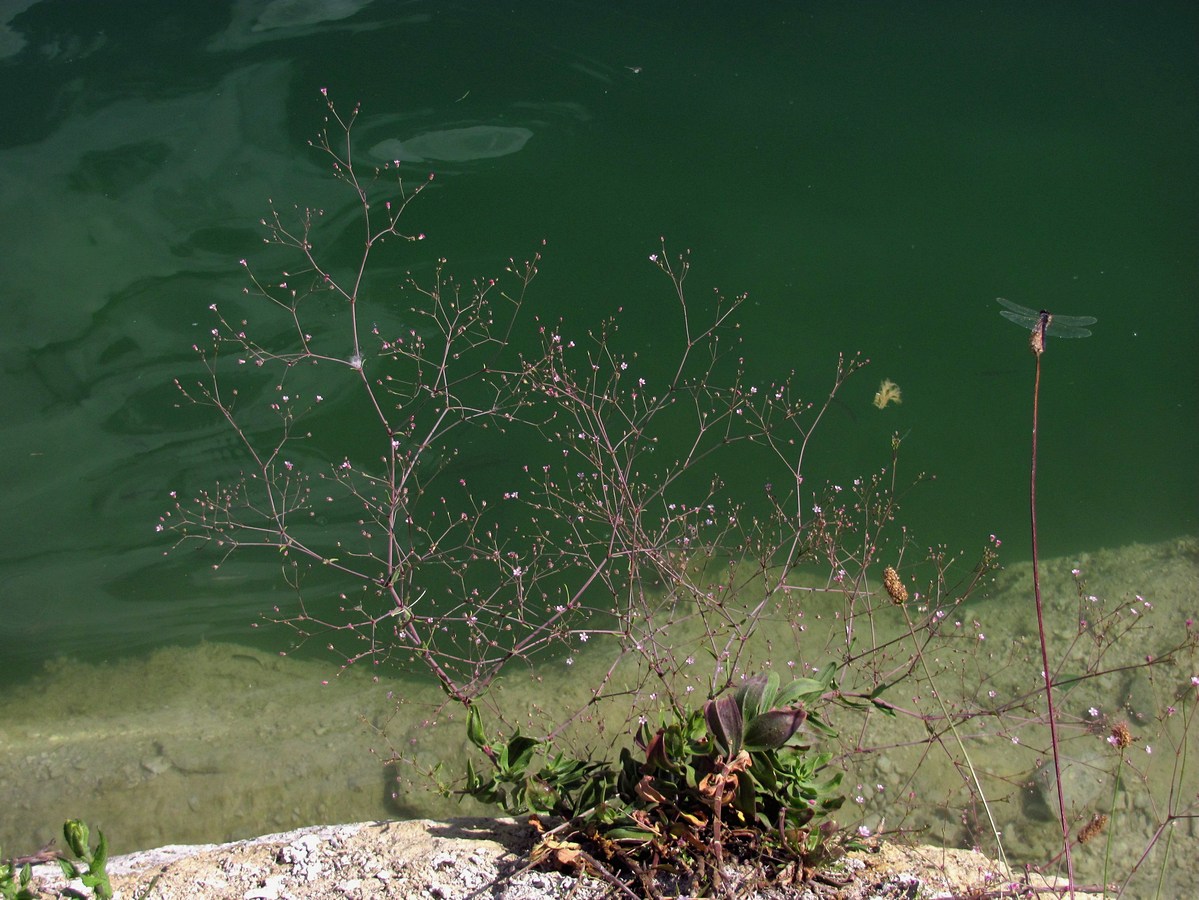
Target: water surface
[{"x": 872, "y": 175}]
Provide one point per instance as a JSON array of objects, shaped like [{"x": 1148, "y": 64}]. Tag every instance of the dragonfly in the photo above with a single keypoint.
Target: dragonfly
[{"x": 1045, "y": 324}]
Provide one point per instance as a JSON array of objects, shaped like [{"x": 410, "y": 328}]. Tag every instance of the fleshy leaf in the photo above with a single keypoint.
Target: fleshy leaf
[
  {"x": 757, "y": 694},
  {"x": 772, "y": 729},
  {"x": 723, "y": 716}
]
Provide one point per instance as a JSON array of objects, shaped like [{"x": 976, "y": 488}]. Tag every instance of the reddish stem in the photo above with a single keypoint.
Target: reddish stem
[{"x": 1036, "y": 585}]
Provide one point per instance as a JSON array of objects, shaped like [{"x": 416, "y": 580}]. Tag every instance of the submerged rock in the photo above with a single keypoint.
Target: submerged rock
[{"x": 455, "y": 144}]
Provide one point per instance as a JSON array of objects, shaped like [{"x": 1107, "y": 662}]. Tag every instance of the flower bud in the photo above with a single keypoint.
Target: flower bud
[{"x": 77, "y": 837}]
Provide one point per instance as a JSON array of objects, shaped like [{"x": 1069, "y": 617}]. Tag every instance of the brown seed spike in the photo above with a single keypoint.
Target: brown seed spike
[
  {"x": 894, "y": 585},
  {"x": 1036, "y": 341},
  {"x": 1092, "y": 828},
  {"x": 1121, "y": 736}
]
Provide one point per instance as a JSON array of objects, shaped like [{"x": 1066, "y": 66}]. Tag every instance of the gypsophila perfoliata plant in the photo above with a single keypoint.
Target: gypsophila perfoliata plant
[
  {"x": 709, "y": 671},
  {"x": 614, "y": 533}
]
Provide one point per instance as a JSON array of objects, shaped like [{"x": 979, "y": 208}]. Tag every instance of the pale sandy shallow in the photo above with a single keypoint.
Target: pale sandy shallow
[{"x": 219, "y": 742}]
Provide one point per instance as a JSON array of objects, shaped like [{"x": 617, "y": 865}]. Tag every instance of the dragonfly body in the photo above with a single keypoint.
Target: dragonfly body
[{"x": 1044, "y": 324}]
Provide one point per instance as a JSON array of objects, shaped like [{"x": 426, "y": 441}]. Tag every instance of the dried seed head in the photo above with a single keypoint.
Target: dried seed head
[
  {"x": 1092, "y": 828},
  {"x": 888, "y": 392},
  {"x": 1121, "y": 736},
  {"x": 894, "y": 585}
]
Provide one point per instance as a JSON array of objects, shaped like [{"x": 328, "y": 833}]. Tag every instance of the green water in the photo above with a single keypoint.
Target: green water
[{"x": 873, "y": 174}]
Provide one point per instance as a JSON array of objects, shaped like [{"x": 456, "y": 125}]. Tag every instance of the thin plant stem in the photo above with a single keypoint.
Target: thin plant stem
[
  {"x": 1107, "y": 849},
  {"x": 1036, "y": 585},
  {"x": 1161, "y": 873},
  {"x": 974, "y": 777}
]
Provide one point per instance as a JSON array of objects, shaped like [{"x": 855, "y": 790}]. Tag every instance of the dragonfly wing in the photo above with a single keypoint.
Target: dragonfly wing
[
  {"x": 1031, "y": 314},
  {"x": 1056, "y": 329},
  {"x": 1070, "y": 326},
  {"x": 1073, "y": 321},
  {"x": 1028, "y": 322},
  {"x": 1059, "y": 326}
]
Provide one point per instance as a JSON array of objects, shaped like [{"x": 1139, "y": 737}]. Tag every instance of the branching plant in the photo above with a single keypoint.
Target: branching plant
[{"x": 613, "y": 540}]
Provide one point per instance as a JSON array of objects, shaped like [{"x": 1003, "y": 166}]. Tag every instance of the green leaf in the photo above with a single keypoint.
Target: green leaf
[
  {"x": 886, "y": 685},
  {"x": 97, "y": 877},
  {"x": 629, "y": 834},
  {"x": 474, "y": 728},
  {"x": 883, "y": 707},
  {"x": 69, "y": 869},
  {"x": 763, "y": 771},
  {"x": 539, "y": 796},
  {"x": 100, "y": 857},
  {"x": 519, "y": 753},
  {"x": 818, "y": 724},
  {"x": 801, "y": 690},
  {"x": 747, "y": 798},
  {"x": 593, "y": 794},
  {"x": 756, "y": 695}
]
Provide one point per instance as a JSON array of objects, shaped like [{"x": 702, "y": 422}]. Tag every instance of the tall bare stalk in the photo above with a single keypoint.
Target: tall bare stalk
[{"x": 1042, "y": 325}]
